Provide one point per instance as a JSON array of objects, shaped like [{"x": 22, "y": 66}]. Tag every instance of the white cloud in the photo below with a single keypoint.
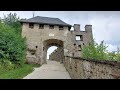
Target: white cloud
[
  {"x": 107, "y": 29},
  {"x": 111, "y": 47}
]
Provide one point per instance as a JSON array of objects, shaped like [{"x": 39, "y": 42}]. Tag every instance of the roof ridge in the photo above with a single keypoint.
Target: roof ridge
[{"x": 45, "y": 17}]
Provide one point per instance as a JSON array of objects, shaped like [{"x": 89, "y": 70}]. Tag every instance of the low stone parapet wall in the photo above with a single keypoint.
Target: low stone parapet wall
[{"x": 80, "y": 68}]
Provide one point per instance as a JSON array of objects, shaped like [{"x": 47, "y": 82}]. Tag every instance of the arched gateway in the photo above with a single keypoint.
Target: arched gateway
[
  {"x": 54, "y": 42},
  {"x": 43, "y": 32}
]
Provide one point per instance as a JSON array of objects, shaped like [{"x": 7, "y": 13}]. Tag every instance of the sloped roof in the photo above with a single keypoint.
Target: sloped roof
[{"x": 45, "y": 20}]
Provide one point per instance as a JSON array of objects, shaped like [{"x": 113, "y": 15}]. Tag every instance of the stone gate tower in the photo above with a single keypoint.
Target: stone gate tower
[{"x": 44, "y": 32}]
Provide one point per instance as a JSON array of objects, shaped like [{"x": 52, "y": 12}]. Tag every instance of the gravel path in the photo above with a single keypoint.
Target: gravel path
[{"x": 51, "y": 70}]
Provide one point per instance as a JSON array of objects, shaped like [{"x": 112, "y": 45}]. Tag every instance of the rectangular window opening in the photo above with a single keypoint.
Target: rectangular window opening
[
  {"x": 79, "y": 37},
  {"x": 51, "y": 26},
  {"x": 79, "y": 48},
  {"x": 61, "y": 28},
  {"x": 41, "y": 26},
  {"x": 31, "y": 25}
]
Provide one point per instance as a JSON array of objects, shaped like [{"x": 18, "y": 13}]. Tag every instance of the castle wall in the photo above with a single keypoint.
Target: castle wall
[{"x": 79, "y": 68}]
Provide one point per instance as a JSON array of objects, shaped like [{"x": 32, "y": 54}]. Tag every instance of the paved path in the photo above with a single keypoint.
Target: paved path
[{"x": 51, "y": 70}]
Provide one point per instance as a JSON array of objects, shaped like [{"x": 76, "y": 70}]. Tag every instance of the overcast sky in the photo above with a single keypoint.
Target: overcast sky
[{"x": 106, "y": 24}]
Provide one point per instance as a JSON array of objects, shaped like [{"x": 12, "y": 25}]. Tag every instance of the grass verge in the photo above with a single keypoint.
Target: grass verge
[{"x": 18, "y": 73}]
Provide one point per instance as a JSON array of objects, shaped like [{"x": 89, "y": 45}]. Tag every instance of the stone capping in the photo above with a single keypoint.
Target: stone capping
[{"x": 113, "y": 63}]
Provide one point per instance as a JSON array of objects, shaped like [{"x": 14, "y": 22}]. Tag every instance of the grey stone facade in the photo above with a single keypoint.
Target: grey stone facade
[{"x": 41, "y": 36}]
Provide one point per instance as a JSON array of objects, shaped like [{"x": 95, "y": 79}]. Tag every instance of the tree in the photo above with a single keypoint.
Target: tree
[
  {"x": 95, "y": 51},
  {"x": 12, "y": 46},
  {"x": 12, "y": 20}
]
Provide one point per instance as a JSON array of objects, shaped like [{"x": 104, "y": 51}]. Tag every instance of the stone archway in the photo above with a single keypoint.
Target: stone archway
[{"x": 53, "y": 42}]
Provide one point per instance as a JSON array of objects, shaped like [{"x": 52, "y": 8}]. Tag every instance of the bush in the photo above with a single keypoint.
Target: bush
[
  {"x": 6, "y": 65},
  {"x": 113, "y": 57},
  {"x": 117, "y": 58},
  {"x": 99, "y": 52},
  {"x": 12, "y": 45},
  {"x": 95, "y": 51}
]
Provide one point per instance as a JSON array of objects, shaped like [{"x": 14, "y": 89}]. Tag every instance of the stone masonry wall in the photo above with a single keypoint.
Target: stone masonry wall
[
  {"x": 38, "y": 40},
  {"x": 79, "y": 68},
  {"x": 57, "y": 55}
]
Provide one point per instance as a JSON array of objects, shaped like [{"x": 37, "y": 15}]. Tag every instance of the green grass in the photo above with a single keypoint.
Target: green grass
[{"x": 18, "y": 73}]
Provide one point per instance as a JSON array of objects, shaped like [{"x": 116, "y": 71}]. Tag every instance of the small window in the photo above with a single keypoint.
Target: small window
[
  {"x": 31, "y": 25},
  {"x": 36, "y": 46},
  {"x": 69, "y": 28},
  {"x": 60, "y": 27},
  {"x": 51, "y": 26},
  {"x": 41, "y": 26},
  {"x": 83, "y": 43},
  {"x": 74, "y": 44},
  {"x": 79, "y": 48},
  {"x": 79, "y": 37}
]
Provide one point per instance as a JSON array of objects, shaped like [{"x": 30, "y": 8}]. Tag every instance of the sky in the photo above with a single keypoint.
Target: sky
[{"x": 105, "y": 24}]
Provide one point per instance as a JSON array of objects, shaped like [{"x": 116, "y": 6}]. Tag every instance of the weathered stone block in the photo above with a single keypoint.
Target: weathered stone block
[{"x": 32, "y": 60}]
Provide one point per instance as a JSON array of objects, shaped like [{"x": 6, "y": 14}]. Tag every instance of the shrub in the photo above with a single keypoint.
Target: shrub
[
  {"x": 113, "y": 57},
  {"x": 6, "y": 64},
  {"x": 95, "y": 51},
  {"x": 99, "y": 52},
  {"x": 12, "y": 45},
  {"x": 117, "y": 58}
]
